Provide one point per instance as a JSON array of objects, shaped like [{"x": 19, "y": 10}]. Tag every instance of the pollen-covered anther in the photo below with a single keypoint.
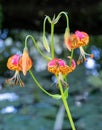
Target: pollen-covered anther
[
  {"x": 81, "y": 61},
  {"x": 91, "y": 55},
  {"x": 83, "y": 56}
]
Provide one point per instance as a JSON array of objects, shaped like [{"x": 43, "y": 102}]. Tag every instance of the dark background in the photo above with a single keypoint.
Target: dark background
[{"x": 84, "y": 15}]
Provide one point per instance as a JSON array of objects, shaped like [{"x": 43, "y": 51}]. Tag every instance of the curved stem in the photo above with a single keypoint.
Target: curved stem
[
  {"x": 67, "y": 19},
  {"x": 52, "y": 33},
  {"x": 43, "y": 55},
  {"x": 52, "y": 40},
  {"x": 57, "y": 96},
  {"x": 66, "y": 106}
]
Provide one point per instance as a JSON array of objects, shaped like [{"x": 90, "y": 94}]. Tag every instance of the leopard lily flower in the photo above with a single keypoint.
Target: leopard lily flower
[
  {"x": 83, "y": 39},
  {"x": 60, "y": 68},
  {"x": 78, "y": 40},
  {"x": 14, "y": 65}
]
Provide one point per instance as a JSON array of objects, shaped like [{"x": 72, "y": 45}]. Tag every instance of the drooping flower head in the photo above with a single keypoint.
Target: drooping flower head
[
  {"x": 58, "y": 66},
  {"x": 19, "y": 63},
  {"x": 79, "y": 38},
  {"x": 14, "y": 65}
]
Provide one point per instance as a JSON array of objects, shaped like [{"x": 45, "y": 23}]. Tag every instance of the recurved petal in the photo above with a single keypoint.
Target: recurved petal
[
  {"x": 13, "y": 62},
  {"x": 25, "y": 61}
]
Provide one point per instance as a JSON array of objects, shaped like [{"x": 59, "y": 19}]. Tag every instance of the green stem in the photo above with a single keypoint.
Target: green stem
[
  {"x": 26, "y": 39},
  {"x": 67, "y": 19},
  {"x": 72, "y": 53},
  {"x": 52, "y": 39},
  {"x": 56, "y": 96},
  {"x": 66, "y": 106},
  {"x": 44, "y": 23}
]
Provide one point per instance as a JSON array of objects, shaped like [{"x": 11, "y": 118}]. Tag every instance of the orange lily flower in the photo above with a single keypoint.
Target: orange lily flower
[
  {"x": 13, "y": 64},
  {"x": 58, "y": 66},
  {"x": 78, "y": 40}
]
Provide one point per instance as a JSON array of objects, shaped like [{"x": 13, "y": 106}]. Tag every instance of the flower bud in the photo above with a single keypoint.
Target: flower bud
[{"x": 45, "y": 43}]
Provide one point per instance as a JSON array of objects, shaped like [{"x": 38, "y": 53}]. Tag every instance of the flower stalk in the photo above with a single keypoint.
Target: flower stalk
[
  {"x": 38, "y": 49},
  {"x": 64, "y": 99},
  {"x": 56, "y": 96},
  {"x": 52, "y": 40}
]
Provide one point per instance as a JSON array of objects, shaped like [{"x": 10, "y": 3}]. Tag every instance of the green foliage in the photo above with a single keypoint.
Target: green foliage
[{"x": 96, "y": 81}]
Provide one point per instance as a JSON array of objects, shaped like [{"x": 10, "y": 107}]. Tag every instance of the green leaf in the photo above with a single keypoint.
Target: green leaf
[
  {"x": 45, "y": 43},
  {"x": 57, "y": 96}
]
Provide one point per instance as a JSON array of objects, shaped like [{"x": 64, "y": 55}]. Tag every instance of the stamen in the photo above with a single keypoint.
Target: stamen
[
  {"x": 82, "y": 57},
  {"x": 15, "y": 80}
]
